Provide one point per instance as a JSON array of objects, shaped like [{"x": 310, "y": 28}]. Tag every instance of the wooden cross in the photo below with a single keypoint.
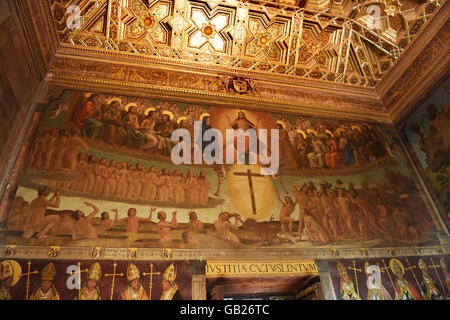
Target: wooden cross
[
  {"x": 151, "y": 273},
  {"x": 437, "y": 274},
  {"x": 28, "y": 277},
  {"x": 249, "y": 174},
  {"x": 414, "y": 275},
  {"x": 114, "y": 274},
  {"x": 356, "y": 276}
]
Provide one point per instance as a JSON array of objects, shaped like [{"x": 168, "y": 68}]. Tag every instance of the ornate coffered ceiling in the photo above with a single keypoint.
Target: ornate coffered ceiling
[
  {"x": 343, "y": 47},
  {"x": 332, "y": 41}
]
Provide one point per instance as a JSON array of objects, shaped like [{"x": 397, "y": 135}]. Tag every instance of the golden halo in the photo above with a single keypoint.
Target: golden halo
[
  {"x": 180, "y": 119},
  {"x": 367, "y": 125},
  {"x": 339, "y": 130},
  {"x": 329, "y": 132},
  {"x": 88, "y": 94},
  {"x": 17, "y": 269},
  {"x": 147, "y": 111},
  {"x": 357, "y": 128},
  {"x": 311, "y": 130},
  {"x": 391, "y": 265},
  {"x": 113, "y": 100},
  {"x": 131, "y": 104},
  {"x": 243, "y": 111},
  {"x": 341, "y": 269},
  {"x": 170, "y": 114},
  {"x": 302, "y": 133},
  {"x": 282, "y": 124},
  {"x": 206, "y": 114}
]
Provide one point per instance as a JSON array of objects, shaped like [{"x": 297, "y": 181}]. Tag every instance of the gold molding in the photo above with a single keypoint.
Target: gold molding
[
  {"x": 414, "y": 48},
  {"x": 410, "y": 98},
  {"x": 219, "y": 98},
  {"x": 210, "y": 70}
]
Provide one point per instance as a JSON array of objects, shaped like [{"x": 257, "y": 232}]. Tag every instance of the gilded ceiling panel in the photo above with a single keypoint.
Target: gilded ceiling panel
[{"x": 335, "y": 42}]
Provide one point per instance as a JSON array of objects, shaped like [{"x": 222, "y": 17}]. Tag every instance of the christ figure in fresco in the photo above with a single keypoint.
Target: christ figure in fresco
[
  {"x": 241, "y": 122},
  {"x": 241, "y": 125}
]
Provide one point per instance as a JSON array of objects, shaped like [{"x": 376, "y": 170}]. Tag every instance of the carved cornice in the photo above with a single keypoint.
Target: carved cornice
[
  {"x": 423, "y": 85},
  {"x": 191, "y": 67},
  {"x": 421, "y": 74},
  {"x": 415, "y": 48},
  {"x": 125, "y": 79}
]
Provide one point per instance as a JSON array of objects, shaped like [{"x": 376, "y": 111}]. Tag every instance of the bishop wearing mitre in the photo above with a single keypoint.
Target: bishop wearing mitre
[
  {"x": 134, "y": 290},
  {"x": 90, "y": 290},
  {"x": 170, "y": 290},
  {"x": 10, "y": 273},
  {"x": 46, "y": 290}
]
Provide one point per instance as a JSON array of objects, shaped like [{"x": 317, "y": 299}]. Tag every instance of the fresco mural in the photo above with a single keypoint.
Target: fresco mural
[
  {"x": 402, "y": 278},
  {"x": 428, "y": 136},
  {"x": 99, "y": 172},
  {"x": 94, "y": 280}
]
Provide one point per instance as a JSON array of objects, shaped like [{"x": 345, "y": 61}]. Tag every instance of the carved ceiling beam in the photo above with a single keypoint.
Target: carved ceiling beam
[{"x": 176, "y": 85}]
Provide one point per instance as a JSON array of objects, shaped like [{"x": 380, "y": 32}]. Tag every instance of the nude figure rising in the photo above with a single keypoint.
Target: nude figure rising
[
  {"x": 106, "y": 222},
  {"x": 82, "y": 227},
  {"x": 37, "y": 219},
  {"x": 164, "y": 227},
  {"x": 285, "y": 213},
  {"x": 132, "y": 221},
  {"x": 193, "y": 225},
  {"x": 224, "y": 226}
]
